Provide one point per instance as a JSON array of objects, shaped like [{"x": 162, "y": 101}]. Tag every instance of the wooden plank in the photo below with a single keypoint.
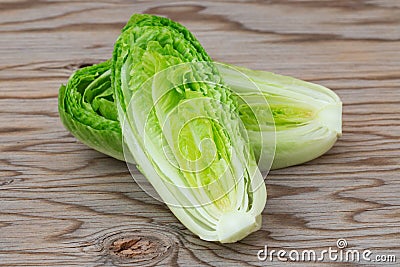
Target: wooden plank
[{"x": 63, "y": 204}]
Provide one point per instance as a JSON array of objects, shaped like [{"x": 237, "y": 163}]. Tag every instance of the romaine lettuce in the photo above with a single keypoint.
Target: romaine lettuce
[
  {"x": 306, "y": 116},
  {"x": 181, "y": 125}
]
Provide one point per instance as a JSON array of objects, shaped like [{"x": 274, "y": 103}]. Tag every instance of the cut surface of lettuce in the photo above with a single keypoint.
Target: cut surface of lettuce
[
  {"x": 181, "y": 125},
  {"x": 307, "y": 116}
]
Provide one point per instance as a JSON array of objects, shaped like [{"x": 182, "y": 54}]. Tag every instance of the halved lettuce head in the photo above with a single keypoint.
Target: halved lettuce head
[
  {"x": 306, "y": 116},
  {"x": 181, "y": 125}
]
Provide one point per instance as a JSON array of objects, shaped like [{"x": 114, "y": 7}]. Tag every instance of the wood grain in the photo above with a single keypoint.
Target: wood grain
[{"x": 63, "y": 204}]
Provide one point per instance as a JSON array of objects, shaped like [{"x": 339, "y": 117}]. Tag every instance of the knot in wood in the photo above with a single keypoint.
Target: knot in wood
[{"x": 137, "y": 247}]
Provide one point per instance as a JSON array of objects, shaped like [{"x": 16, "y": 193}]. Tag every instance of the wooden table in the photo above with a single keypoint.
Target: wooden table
[{"x": 63, "y": 204}]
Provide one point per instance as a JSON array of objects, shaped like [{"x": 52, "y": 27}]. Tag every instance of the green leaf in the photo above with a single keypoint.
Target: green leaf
[{"x": 94, "y": 124}]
